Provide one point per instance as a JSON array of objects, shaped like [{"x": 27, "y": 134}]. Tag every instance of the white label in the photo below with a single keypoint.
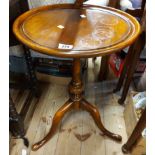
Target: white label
[
  {"x": 60, "y": 26},
  {"x": 64, "y": 46},
  {"x": 82, "y": 16}
]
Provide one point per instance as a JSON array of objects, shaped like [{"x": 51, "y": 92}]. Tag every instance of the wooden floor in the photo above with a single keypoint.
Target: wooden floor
[{"x": 77, "y": 134}]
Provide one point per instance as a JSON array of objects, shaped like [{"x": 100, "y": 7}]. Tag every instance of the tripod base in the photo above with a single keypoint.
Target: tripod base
[
  {"x": 69, "y": 105},
  {"x": 75, "y": 102}
]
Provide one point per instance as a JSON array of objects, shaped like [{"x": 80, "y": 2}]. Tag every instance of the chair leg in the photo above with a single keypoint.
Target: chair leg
[
  {"x": 130, "y": 73},
  {"x": 124, "y": 71},
  {"x": 137, "y": 48},
  {"x": 104, "y": 68},
  {"x": 16, "y": 123},
  {"x": 126, "y": 87},
  {"x": 126, "y": 148}
]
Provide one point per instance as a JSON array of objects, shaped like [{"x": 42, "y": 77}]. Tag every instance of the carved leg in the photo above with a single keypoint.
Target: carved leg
[
  {"x": 56, "y": 120},
  {"x": 31, "y": 72},
  {"x": 96, "y": 116},
  {"x": 16, "y": 124}
]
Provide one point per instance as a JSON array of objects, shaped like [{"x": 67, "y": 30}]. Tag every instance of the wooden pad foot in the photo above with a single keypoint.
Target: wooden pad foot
[
  {"x": 56, "y": 121},
  {"x": 96, "y": 116}
]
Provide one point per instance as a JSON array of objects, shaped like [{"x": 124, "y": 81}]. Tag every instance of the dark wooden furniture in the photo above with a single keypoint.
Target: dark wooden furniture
[
  {"x": 77, "y": 35},
  {"x": 16, "y": 8},
  {"x": 127, "y": 147},
  {"x": 133, "y": 56},
  {"x": 16, "y": 124}
]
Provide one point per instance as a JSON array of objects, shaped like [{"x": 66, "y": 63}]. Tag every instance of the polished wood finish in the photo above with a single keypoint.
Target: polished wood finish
[
  {"x": 126, "y": 148},
  {"x": 39, "y": 29},
  {"x": 117, "y": 31}
]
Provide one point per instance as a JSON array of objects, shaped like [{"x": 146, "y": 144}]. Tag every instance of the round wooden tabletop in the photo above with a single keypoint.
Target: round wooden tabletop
[{"x": 65, "y": 31}]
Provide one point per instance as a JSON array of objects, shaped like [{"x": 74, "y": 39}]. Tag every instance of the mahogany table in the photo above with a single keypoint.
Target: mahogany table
[{"x": 76, "y": 31}]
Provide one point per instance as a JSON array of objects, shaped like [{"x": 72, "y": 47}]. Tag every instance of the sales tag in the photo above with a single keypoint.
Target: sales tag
[
  {"x": 65, "y": 46},
  {"x": 82, "y": 16},
  {"x": 60, "y": 26}
]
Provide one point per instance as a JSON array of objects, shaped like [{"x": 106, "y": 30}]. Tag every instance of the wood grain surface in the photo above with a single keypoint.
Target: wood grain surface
[{"x": 109, "y": 31}]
